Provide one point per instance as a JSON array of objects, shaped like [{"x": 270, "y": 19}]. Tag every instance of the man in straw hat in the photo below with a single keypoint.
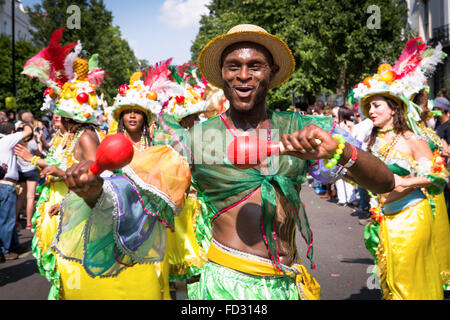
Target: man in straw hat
[{"x": 254, "y": 212}]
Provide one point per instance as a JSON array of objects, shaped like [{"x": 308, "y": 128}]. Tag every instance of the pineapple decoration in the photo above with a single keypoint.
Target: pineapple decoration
[
  {"x": 81, "y": 68},
  {"x": 78, "y": 99}
]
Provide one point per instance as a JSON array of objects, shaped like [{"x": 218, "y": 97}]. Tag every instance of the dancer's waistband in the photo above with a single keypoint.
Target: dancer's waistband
[
  {"x": 307, "y": 286},
  {"x": 248, "y": 263},
  {"x": 407, "y": 201}
]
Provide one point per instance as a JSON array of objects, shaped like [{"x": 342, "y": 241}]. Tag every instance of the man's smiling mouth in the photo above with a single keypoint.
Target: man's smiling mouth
[{"x": 243, "y": 91}]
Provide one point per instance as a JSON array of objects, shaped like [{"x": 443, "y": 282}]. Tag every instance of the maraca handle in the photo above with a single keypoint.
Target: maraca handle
[
  {"x": 95, "y": 170},
  {"x": 282, "y": 148}
]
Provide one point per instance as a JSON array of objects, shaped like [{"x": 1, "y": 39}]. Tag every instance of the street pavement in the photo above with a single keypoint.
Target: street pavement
[{"x": 342, "y": 262}]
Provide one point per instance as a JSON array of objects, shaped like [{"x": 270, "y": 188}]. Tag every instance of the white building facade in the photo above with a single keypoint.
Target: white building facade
[
  {"x": 22, "y": 24},
  {"x": 431, "y": 20}
]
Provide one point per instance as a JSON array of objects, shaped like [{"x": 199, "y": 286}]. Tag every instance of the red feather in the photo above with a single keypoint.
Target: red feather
[
  {"x": 160, "y": 71},
  {"x": 56, "y": 55},
  {"x": 410, "y": 58}
]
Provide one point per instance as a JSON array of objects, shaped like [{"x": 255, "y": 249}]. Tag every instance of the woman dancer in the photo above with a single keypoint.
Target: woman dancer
[
  {"x": 400, "y": 233},
  {"x": 71, "y": 95},
  {"x": 123, "y": 256}
]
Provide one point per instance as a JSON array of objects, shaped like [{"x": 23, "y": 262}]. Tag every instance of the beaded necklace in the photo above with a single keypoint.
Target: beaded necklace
[
  {"x": 142, "y": 143},
  {"x": 382, "y": 132},
  {"x": 387, "y": 148},
  {"x": 64, "y": 151}
]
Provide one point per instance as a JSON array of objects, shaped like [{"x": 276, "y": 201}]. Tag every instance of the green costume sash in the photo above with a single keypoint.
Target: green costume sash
[{"x": 222, "y": 186}]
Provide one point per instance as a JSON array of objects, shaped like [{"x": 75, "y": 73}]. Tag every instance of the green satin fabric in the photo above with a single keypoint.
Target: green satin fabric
[
  {"x": 371, "y": 238},
  {"x": 220, "y": 283},
  {"x": 396, "y": 169},
  {"x": 223, "y": 185}
]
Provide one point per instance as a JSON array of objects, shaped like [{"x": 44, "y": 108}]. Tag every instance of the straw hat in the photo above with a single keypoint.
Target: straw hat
[{"x": 209, "y": 58}]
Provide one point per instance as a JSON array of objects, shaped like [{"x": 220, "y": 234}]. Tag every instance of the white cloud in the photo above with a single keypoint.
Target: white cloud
[{"x": 180, "y": 14}]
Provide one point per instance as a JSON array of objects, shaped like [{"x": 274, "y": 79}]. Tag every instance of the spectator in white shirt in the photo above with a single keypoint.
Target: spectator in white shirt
[{"x": 8, "y": 195}]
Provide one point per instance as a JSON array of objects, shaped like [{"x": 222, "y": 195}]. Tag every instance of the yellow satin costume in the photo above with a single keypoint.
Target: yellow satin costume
[
  {"x": 69, "y": 280},
  {"x": 441, "y": 237},
  {"x": 186, "y": 256},
  {"x": 406, "y": 255},
  {"x": 138, "y": 280}
]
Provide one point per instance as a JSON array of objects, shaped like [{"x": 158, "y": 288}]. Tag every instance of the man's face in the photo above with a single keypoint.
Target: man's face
[
  {"x": 246, "y": 74},
  {"x": 27, "y": 117}
]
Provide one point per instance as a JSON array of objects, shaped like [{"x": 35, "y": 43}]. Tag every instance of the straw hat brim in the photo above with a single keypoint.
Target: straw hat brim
[
  {"x": 387, "y": 94},
  {"x": 117, "y": 111},
  {"x": 209, "y": 58}
]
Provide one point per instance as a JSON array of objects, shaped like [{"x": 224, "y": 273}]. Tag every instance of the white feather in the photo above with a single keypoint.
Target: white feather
[
  {"x": 70, "y": 59},
  {"x": 428, "y": 64}
]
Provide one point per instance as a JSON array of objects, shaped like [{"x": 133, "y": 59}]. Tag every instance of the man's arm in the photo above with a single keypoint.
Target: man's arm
[
  {"x": 27, "y": 132},
  {"x": 11, "y": 140},
  {"x": 313, "y": 143}
]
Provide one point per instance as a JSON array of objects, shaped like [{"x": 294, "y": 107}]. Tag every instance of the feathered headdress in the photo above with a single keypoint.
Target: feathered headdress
[
  {"x": 49, "y": 64},
  {"x": 72, "y": 80},
  {"x": 192, "y": 99},
  {"x": 147, "y": 95}
]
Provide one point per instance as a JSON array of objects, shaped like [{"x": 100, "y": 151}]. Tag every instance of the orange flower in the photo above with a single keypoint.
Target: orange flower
[
  {"x": 376, "y": 214},
  {"x": 438, "y": 162}
]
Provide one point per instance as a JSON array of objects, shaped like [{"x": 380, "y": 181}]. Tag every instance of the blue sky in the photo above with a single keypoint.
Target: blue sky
[{"x": 156, "y": 29}]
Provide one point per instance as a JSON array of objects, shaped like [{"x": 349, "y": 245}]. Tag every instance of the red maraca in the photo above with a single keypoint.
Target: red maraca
[
  {"x": 113, "y": 153},
  {"x": 246, "y": 152}
]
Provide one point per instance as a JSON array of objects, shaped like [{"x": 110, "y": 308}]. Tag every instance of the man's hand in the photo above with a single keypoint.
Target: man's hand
[
  {"x": 310, "y": 143},
  {"x": 80, "y": 180},
  {"x": 52, "y": 171},
  {"x": 23, "y": 152},
  {"x": 369, "y": 172}
]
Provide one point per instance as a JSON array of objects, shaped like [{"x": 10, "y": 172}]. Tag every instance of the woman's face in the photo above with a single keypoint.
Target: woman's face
[
  {"x": 133, "y": 120},
  {"x": 57, "y": 121},
  {"x": 380, "y": 112}
]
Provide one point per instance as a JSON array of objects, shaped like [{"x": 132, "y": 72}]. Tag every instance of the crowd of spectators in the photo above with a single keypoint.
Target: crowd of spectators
[
  {"x": 18, "y": 178},
  {"x": 345, "y": 193}
]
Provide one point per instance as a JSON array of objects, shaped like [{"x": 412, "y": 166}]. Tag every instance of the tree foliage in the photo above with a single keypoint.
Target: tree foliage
[
  {"x": 29, "y": 93},
  {"x": 96, "y": 33},
  {"x": 333, "y": 42}
]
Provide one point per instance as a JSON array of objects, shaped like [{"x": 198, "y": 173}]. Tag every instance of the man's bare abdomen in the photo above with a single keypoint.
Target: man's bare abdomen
[{"x": 240, "y": 228}]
